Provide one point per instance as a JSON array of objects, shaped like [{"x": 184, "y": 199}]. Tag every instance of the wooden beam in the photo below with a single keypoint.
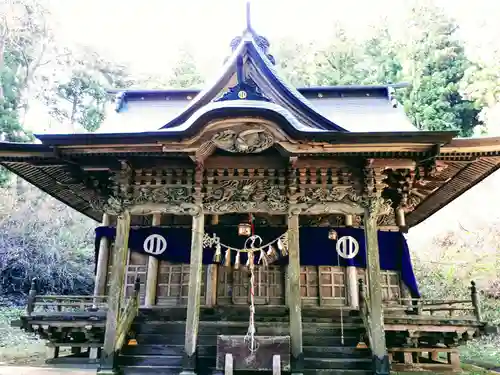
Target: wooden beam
[
  {"x": 117, "y": 282},
  {"x": 375, "y": 305},
  {"x": 193, "y": 305},
  {"x": 393, "y": 163},
  {"x": 152, "y": 275},
  {"x": 294, "y": 300}
]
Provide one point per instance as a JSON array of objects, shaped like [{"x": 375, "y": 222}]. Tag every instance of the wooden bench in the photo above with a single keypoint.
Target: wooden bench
[
  {"x": 272, "y": 354},
  {"x": 412, "y": 357}
]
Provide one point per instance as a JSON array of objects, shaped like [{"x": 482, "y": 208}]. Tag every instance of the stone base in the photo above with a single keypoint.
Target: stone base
[
  {"x": 297, "y": 364},
  {"x": 381, "y": 366},
  {"x": 189, "y": 364}
]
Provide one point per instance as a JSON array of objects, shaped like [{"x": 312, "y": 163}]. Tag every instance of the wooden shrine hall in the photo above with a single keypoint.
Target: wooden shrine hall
[{"x": 255, "y": 226}]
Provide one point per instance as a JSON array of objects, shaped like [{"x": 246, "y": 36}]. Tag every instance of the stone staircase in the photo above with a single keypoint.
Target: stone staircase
[{"x": 160, "y": 339}]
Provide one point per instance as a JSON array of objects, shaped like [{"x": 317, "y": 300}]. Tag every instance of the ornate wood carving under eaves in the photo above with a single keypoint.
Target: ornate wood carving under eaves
[
  {"x": 246, "y": 141},
  {"x": 245, "y": 196},
  {"x": 335, "y": 194},
  {"x": 175, "y": 200}
]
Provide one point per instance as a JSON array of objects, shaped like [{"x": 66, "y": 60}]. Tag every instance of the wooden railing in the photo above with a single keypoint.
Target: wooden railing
[
  {"x": 127, "y": 316},
  {"x": 364, "y": 309},
  {"x": 461, "y": 309},
  {"x": 63, "y": 303}
]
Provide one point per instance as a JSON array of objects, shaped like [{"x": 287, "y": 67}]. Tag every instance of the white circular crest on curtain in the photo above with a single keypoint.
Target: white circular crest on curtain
[
  {"x": 347, "y": 247},
  {"x": 155, "y": 244}
]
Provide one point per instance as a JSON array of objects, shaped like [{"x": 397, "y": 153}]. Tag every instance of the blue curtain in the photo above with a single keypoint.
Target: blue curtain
[{"x": 315, "y": 247}]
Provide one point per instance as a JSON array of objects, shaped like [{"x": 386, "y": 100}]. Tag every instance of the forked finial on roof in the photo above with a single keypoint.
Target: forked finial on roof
[{"x": 248, "y": 15}]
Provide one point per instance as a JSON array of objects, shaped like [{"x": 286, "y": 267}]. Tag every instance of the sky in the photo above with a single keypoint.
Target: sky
[{"x": 147, "y": 33}]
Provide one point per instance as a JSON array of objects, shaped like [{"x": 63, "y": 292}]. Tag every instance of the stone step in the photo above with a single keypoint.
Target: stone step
[
  {"x": 178, "y": 339},
  {"x": 146, "y": 370},
  {"x": 211, "y": 351},
  {"x": 240, "y": 328},
  {"x": 169, "y": 350},
  {"x": 238, "y": 313},
  {"x": 327, "y": 341},
  {"x": 338, "y": 363},
  {"x": 335, "y": 352},
  {"x": 151, "y": 360}
]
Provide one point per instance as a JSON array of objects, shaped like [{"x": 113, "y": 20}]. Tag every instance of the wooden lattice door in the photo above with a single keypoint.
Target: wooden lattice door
[
  {"x": 309, "y": 288},
  {"x": 233, "y": 286},
  {"x": 173, "y": 284},
  {"x": 332, "y": 285},
  {"x": 390, "y": 283},
  {"x": 137, "y": 266}
]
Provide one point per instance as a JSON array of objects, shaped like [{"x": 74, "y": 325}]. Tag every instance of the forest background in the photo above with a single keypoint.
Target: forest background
[{"x": 58, "y": 60}]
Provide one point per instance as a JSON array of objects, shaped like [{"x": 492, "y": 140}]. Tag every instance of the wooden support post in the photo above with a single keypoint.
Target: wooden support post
[
  {"x": 228, "y": 364},
  {"x": 30, "y": 307},
  {"x": 475, "y": 301},
  {"x": 152, "y": 275},
  {"x": 294, "y": 300},
  {"x": 52, "y": 352},
  {"x": 93, "y": 353},
  {"x": 193, "y": 305},
  {"x": 375, "y": 308},
  {"x": 102, "y": 262},
  {"x": 276, "y": 365},
  {"x": 454, "y": 360},
  {"x": 352, "y": 287},
  {"x": 115, "y": 300}
]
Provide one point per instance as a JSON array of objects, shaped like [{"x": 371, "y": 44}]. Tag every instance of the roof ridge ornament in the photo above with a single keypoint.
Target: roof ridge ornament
[{"x": 248, "y": 15}]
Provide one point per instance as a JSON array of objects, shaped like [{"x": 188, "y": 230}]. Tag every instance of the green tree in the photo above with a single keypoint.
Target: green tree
[
  {"x": 79, "y": 100},
  {"x": 437, "y": 63},
  {"x": 381, "y": 62},
  {"x": 340, "y": 62},
  {"x": 185, "y": 74}
]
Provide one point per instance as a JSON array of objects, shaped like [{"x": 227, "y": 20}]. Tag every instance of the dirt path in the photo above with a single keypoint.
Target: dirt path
[{"x": 20, "y": 370}]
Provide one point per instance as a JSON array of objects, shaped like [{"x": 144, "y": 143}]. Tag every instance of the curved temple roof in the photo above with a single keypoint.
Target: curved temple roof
[{"x": 250, "y": 70}]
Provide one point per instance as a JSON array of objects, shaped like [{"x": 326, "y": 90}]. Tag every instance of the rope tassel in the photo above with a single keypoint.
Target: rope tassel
[
  {"x": 217, "y": 254},
  {"x": 237, "y": 261},
  {"x": 227, "y": 260}
]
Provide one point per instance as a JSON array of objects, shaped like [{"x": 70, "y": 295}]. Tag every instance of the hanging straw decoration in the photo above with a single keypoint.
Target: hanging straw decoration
[
  {"x": 227, "y": 259},
  {"x": 237, "y": 261},
  {"x": 217, "y": 254},
  {"x": 263, "y": 259},
  {"x": 268, "y": 252},
  {"x": 282, "y": 248}
]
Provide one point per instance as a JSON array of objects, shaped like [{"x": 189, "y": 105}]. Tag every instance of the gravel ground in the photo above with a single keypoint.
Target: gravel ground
[{"x": 19, "y": 370}]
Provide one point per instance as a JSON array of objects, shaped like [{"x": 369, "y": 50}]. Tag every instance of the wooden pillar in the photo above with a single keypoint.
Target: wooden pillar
[
  {"x": 152, "y": 278},
  {"x": 193, "y": 306},
  {"x": 352, "y": 287},
  {"x": 102, "y": 262},
  {"x": 294, "y": 300},
  {"x": 475, "y": 301},
  {"x": 115, "y": 299},
  {"x": 375, "y": 307},
  {"x": 212, "y": 274}
]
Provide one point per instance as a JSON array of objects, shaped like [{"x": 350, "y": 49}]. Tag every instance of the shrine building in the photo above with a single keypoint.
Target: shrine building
[{"x": 254, "y": 225}]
